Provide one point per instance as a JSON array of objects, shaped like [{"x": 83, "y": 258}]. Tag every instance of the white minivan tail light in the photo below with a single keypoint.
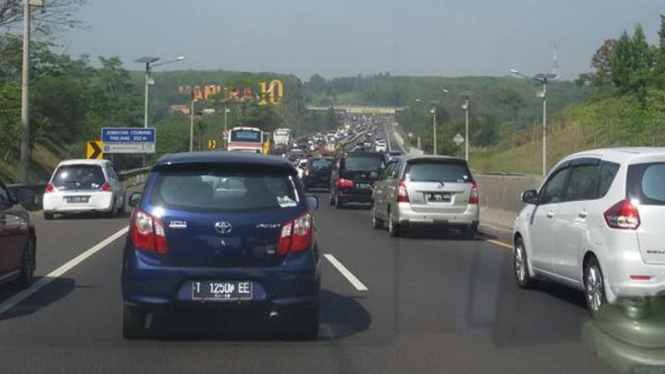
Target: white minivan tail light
[{"x": 623, "y": 215}]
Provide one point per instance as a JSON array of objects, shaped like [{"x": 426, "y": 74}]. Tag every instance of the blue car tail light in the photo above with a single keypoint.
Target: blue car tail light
[{"x": 148, "y": 232}]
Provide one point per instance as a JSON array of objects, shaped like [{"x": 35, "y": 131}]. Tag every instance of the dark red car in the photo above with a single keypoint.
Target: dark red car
[{"x": 18, "y": 240}]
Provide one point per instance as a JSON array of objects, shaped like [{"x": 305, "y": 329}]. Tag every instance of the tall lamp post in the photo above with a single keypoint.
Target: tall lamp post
[
  {"x": 25, "y": 88},
  {"x": 466, "y": 108},
  {"x": 226, "y": 115},
  {"x": 149, "y": 65},
  {"x": 433, "y": 111},
  {"x": 542, "y": 78}
]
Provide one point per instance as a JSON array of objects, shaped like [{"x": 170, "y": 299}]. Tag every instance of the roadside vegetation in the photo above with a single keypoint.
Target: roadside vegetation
[
  {"x": 626, "y": 108},
  {"x": 620, "y": 103}
]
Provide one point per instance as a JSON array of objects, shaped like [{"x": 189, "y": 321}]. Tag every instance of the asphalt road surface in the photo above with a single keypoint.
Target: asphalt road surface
[{"x": 427, "y": 303}]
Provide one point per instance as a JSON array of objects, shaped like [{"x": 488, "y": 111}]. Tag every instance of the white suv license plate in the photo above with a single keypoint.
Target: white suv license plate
[
  {"x": 438, "y": 197},
  {"x": 222, "y": 291}
]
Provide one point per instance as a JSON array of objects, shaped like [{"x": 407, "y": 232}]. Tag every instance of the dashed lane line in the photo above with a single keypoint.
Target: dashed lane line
[{"x": 346, "y": 273}]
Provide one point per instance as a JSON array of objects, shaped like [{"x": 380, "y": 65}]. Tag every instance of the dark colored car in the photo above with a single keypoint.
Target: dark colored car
[
  {"x": 18, "y": 241},
  {"x": 317, "y": 172},
  {"x": 229, "y": 231},
  {"x": 353, "y": 176}
]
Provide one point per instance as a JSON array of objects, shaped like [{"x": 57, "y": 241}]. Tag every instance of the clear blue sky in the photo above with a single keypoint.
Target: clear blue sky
[{"x": 348, "y": 37}]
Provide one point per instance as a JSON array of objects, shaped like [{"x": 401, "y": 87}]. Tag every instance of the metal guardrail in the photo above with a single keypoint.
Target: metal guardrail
[
  {"x": 507, "y": 174},
  {"x": 130, "y": 178},
  {"x": 351, "y": 139}
]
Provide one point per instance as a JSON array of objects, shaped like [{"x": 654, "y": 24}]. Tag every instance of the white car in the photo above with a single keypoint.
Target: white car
[
  {"x": 84, "y": 186},
  {"x": 596, "y": 224},
  {"x": 380, "y": 147}
]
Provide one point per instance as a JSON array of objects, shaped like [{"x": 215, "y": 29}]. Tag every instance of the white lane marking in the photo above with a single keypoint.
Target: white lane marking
[
  {"x": 17, "y": 298},
  {"x": 346, "y": 273}
]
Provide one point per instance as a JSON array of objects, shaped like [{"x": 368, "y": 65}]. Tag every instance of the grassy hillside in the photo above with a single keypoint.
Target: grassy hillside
[
  {"x": 45, "y": 157},
  {"x": 610, "y": 122}
]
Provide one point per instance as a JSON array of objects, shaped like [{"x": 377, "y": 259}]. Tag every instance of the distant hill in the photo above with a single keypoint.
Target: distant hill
[{"x": 499, "y": 105}]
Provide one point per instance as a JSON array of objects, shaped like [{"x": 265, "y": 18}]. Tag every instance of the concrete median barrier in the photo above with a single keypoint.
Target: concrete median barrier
[{"x": 500, "y": 191}]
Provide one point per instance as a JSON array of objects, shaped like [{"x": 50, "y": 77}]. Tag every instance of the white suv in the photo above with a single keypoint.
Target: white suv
[{"x": 597, "y": 224}]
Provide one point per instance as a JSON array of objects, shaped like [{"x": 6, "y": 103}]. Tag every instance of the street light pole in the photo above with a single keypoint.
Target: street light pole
[
  {"x": 544, "y": 126},
  {"x": 191, "y": 126},
  {"x": 147, "y": 95},
  {"x": 25, "y": 101},
  {"x": 434, "y": 127},
  {"x": 466, "y": 125},
  {"x": 149, "y": 65},
  {"x": 226, "y": 113},
  {"x": 542, "y": 78}
]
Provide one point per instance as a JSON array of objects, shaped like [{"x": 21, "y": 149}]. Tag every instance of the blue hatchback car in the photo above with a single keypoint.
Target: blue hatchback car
[{"x": 224, "y": 230}]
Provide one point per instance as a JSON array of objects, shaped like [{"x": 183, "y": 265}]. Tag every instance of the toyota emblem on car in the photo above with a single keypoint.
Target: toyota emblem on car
[{"x": 223, "y": 227}]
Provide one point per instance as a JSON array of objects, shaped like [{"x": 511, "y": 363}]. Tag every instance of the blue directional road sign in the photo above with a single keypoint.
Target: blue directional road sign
[{"x": 129, "y": 140}]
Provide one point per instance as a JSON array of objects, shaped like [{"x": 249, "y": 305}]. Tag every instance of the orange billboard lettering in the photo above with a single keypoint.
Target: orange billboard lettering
[{"x": 268, "y": 93}]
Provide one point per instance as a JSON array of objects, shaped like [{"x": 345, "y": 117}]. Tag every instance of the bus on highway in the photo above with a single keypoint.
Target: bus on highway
[{"x": 245, "y": 139}]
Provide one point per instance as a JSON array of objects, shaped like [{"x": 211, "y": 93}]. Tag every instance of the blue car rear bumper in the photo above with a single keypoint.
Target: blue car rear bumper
[{"x": 294, "y": 283}]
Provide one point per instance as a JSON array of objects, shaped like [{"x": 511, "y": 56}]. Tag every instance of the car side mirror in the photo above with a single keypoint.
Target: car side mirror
[
  {"x": 530, "y": 197},
  {"x": 312, "y": 202},
  {"x": 134, "y": 199},
  {"x": 24, "y": 196}
]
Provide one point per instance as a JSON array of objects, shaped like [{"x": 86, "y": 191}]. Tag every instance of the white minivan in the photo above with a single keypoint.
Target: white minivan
[
  {"x": 597, "y": 224},
  {"x": 84, "y": 186}
]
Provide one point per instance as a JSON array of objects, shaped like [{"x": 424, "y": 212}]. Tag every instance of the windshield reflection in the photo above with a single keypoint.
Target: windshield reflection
[{"x": 629, "y": 336}]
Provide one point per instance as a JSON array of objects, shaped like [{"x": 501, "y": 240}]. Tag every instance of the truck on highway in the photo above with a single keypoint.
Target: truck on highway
[
  {"x": 246, "y": 139},
  {"x": 282, "y": 138}
]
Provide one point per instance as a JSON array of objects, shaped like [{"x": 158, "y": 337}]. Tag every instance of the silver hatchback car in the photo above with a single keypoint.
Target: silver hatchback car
[{"x": 426, "y": 190}]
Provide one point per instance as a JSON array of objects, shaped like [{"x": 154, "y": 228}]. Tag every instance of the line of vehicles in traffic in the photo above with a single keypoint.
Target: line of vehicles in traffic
[{"x": 235, "y": 230}]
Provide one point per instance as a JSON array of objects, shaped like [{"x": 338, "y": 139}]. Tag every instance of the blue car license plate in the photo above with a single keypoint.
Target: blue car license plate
[{"x": 222, "y": 290}]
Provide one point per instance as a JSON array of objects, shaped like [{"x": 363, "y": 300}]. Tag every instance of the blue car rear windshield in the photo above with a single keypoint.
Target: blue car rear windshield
[{"x": 225, "y": 191}]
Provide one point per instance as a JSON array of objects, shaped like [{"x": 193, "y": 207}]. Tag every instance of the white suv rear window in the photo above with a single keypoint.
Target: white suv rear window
[{"x": 437, "y": 171}]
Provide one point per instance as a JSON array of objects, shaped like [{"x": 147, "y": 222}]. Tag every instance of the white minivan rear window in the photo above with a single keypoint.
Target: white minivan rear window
[{"x": 646, "y": 182}]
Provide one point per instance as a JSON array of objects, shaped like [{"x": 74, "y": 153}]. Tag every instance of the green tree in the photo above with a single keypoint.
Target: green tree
[
  {"x": 10, "y": 116},
  {"x": 621, "y": 65},
  {"x": 660, "y": 55},
  {"x": 114, "y": 97},
  {"x": 601, "y": 62},
  {"x": 642, "y": 64},
  {"x": 512, "y": 99}
]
